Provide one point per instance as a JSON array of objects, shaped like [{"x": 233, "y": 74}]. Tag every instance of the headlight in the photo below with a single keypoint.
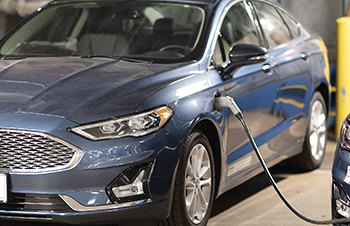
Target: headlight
[
  {"x": 345, "y": 136},
  {"x": 134, "y": 125}
]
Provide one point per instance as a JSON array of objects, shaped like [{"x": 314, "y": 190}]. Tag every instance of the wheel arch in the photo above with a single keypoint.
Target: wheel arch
[
  {"x": 212, "y": 134},
  {"x": 324, "y": 90}
]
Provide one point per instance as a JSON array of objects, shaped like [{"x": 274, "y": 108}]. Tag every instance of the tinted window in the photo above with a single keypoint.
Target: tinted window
[
  {"x": 275, "y": 30},
  {"x": 237, "y": 27},
  {"x": 292, "y": 24}
]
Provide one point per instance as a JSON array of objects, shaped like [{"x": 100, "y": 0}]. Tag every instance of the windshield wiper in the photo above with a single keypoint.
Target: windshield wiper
[
  {"x": 149, "y": 61},
  {"x": 13, "y": 57},
  {"x": 119, "y": 58},
  {"x": 98, "y": 56}
]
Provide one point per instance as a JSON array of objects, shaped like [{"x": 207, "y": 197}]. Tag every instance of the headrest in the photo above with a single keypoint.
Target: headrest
[{"x": 163, "y": 26}]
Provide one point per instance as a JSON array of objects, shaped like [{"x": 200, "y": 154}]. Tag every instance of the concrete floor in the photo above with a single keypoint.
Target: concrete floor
[{"x": 256, "y": 202}]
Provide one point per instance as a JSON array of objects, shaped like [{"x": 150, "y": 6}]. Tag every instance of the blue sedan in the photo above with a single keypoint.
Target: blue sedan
[{"x": 108, "y": 114}]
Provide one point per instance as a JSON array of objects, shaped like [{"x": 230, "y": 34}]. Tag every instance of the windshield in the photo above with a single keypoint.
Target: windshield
[{"x": 140, "y": 30}]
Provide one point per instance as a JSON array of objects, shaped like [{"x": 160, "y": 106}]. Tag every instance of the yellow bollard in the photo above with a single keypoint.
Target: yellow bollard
[{"x": 343, "y": 73}]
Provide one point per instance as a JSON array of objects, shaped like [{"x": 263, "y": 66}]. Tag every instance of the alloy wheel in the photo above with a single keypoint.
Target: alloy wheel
[
  {"x": 198, "y": 183},
  {"x": 318, "y": 129}
]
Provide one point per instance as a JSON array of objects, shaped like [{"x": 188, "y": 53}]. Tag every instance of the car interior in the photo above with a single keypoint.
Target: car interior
[{"x": 137, "y": 31}]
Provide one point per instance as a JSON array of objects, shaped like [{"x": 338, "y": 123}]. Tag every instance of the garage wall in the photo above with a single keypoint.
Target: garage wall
[
  {"x": 8, "y": 21},
  {"x": 2, "y": 24}
]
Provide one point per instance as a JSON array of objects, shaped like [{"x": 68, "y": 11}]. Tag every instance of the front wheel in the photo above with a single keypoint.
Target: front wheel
[
  {"x": 194, "y": 186},
  {"x": 315, "y": 138}
]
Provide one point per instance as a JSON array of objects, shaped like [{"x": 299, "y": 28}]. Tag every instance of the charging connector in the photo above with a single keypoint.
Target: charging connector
[{"x": 228, "y": 102}]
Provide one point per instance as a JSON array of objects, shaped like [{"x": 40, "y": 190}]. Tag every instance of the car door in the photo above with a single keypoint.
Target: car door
[
  {"x": 253, "y": 89},
  {"x": 292, "y": 68},
  {"x": 261, "y": 93}
]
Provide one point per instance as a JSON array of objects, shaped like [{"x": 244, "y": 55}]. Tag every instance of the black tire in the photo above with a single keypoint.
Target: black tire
[
  {"x": 189, "y": 184},
  {"x": 315, "y": 138}
]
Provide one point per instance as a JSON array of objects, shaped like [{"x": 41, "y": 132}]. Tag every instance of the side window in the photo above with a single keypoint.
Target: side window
[
  {"x": 237, "y": 27},
  {"x": 292, "y": 24},
  {"x": 274, "y": 27}
]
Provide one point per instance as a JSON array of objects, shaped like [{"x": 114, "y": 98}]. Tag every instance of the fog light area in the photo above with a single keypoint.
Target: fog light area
[
  {"x": 131, "y": 185},
  {"x": 136, "y": 188}
]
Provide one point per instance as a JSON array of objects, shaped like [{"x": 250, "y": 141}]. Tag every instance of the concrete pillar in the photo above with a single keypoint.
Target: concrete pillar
[{"x": 343, "y": 72}]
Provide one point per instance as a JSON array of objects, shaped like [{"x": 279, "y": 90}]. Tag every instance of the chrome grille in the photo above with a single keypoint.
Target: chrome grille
[{"x": 35, "y": 151}]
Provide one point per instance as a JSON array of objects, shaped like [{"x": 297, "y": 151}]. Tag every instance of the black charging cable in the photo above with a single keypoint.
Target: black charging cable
[{"x": 228, "y": 102}]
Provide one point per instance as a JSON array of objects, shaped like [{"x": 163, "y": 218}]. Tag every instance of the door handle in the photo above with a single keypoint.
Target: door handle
[
  {"x": 267, "y": 68},
  {"x": 304, "y": 56}
]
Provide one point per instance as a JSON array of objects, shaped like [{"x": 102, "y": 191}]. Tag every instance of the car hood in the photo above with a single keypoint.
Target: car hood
[{"x": 81, "y": 90}]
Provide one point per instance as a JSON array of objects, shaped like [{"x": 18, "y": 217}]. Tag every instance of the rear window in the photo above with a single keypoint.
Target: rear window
[
  {"x": 275, "y": 29},
  {"x": 292, "y": 24}
]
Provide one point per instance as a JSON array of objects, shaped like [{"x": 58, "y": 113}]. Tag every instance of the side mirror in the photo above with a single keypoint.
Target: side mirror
[{"x": 244, "y": 54}]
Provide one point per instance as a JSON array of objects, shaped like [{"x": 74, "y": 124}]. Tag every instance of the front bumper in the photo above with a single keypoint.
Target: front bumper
[
  {"x": 151, "y": 211},
  {"x": 78, "y": 193}
]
